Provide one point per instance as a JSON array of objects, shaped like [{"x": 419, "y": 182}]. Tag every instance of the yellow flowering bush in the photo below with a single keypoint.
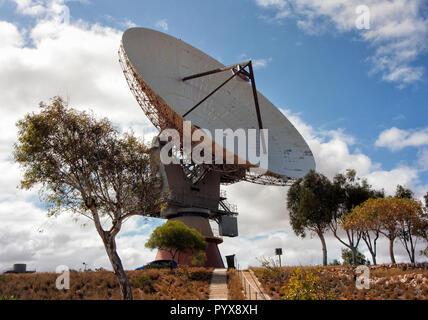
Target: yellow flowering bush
[{"x": 305, "y": 285}]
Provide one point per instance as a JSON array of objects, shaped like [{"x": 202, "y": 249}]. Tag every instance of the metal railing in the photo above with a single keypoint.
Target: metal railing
[{"x": 250, "y": 292}]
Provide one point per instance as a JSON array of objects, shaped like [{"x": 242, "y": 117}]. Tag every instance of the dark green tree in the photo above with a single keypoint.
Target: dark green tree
[
  {"x": 311, "y": 202},
  {"x": 83, "y": 166},
  {"x": 335, "y": 262},
  {"x": 351, "y": 191},
  {"x": 348, "y": 257},
  {"x": 411, "y": 226},
  {"x": 403, "y": 193},
  {"x": 177, "y": 238}
]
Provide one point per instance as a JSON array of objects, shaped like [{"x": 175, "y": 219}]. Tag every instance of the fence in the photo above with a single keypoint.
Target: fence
[{"x": 250, "y": 291}]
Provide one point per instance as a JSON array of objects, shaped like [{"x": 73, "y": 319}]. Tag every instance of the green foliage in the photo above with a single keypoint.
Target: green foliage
[
  {"x": 393, "y": 217},
  {"x": 175, "y": 237},
  {"x": 311, "y": 201},
  {"x": 306, "y": 285},
  {"x": 351, "y": 191},
  {"x": 199, "y": 258},
  {"x": 347, "y": 257},
  {"x": 81, "y": 162},
  {"x": 424, "y": 252},
  {"x": 145, "y": 281},
  {"x": 403, "y": 193},
  {"x": 8, "y": 298},
  {"x": 84, "y": 166},
  {"x": 335, "y": 262}
]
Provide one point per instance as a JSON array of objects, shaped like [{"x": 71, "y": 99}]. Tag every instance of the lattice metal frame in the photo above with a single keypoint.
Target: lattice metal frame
[{"x": 164, "y": 117}]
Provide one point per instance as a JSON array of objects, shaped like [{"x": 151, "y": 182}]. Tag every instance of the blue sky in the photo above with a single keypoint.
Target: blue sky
[
  {"x": 359, "y": 97},
  {"x": 326, "y": 78}
]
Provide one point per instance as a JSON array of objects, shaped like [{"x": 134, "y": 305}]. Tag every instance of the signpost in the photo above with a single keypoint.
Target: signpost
[{"x": 278, "y": 252}]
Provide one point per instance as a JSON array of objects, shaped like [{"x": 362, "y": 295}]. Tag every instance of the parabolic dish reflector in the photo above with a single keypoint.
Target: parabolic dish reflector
[{"x": 155, "y": 64}]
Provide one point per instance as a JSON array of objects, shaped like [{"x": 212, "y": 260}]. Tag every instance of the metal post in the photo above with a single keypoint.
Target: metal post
[
  {"x": 203, "y": 74},
  {"x": 256, "y": 99},
  {"x": 214, "y": 91}
]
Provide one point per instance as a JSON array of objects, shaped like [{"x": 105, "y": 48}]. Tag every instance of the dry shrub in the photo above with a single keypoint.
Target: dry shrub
[
  {"x": 152, "y": 284},
  {"x": 234, "y": 285},
  {"x": 387, "y": 282}
]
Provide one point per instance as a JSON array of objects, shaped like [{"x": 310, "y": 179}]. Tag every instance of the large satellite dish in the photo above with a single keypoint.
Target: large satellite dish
[{"x": 173, "y": 82}]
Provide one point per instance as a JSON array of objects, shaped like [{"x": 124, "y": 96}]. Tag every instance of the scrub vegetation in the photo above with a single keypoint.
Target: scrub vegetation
[
  {"x": 152, "y": 284},
  {"x": 387, "y": 282}
]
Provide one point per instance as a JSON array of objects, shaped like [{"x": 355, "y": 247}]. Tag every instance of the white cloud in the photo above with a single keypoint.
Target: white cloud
[
  {"x": 331, "y": 149},
  {"x": 423, "y": 159},
  {"x": 397, "y": 139},
  {"x": 277, "y": 3},
  {"x": 398, "y": 30},
  {"x": 10, "y": 35},
  {"x": 162, "y": 24},
  {"x": 264, "y": 215},
  {"x": 261, "y": 63},
  {"x": 31, "y": 7},
  {"x": 257, "y": 63},
  {"x": 55, "y": 10},
  {"x": 79, "y": 62},
  {"x": 388, "y": 180}
]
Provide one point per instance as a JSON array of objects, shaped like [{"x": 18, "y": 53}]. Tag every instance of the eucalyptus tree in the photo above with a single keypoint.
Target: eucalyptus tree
[
  {"x": 366, "y": 221},
  {"x": 403, "y": 193},
  {"x": 84, "y": 166},
  {"x": 176, "y": 238},
  {"x": 393, "y": 217},
  {"x": 311, "y": 202},
  {"x": 351, "y": 191}
]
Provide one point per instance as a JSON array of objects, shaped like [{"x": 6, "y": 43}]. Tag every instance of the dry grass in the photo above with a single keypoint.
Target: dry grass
[
  {"x": 234, "y": 286},
  {"x": 154, "y": 284},
  {"x": 387, "y": 282}
]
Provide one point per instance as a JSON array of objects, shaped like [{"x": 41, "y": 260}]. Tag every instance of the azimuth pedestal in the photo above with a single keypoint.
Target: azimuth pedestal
[{"x": 194, "y": 198}]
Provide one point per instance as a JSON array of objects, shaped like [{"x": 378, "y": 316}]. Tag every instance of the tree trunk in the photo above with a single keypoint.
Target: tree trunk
[
  {"x": 374, "y": 258},
  {"x": 324, "y": 248},
  {"x": 110, "y": 246},
  {"x": 371, "y": 250},
  {"x": 354, "y": 256},
  {"x": 412, "y": 248},
  {"x": 391, "y": 250},
  {"x": 125, "y": 287},
  {"x": 370, "y": 246}
]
